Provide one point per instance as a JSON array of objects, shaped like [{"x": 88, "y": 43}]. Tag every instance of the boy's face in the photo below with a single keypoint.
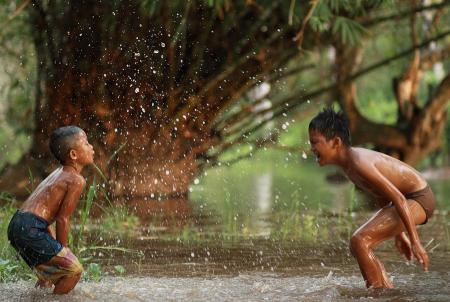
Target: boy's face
[
  {"x": 323, "y": 149},
  {"x": 83, "y": 150}
]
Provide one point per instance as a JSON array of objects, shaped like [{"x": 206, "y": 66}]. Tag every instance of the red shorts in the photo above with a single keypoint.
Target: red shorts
[{"x": 64, "y": 264}]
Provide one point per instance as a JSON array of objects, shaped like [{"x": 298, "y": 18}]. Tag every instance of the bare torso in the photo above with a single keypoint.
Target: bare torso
[
  {"x": 46, "y": 199},
  {"x": 405, "y": 178}
]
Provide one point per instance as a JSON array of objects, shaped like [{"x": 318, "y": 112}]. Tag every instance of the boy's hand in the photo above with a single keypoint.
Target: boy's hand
[
  {"x": 420, "y": 254},
  {"x": 403, "y": 245}
]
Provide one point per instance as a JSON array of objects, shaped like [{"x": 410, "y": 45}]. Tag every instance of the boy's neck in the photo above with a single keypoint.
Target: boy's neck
[
  {"x": 73, "y": 167},
  {"x": 343, "y": 158}
]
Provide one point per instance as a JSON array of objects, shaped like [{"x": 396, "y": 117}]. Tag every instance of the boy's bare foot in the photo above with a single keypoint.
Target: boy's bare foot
[
  {"x": 380, "y": 287},
  {"x": 385, "y": 283},
  {"x": 43, "y": 284}
]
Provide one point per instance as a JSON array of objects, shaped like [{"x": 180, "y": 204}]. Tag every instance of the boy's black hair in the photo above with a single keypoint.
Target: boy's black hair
[
  {"x": 330, "y": 124},
  {"x": 60, "y": 141}
]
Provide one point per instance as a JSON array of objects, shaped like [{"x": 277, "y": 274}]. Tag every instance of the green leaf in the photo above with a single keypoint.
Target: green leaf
[
  {"x": 348, "y": 30},
  {"x": 316, "y": 24},
  {"x": 120, "y": 269},
  {"x": 323, "y": 12}
]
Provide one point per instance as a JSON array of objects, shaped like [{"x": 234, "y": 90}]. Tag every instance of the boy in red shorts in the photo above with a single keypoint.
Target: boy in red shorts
[
  {"x": 54, "y": 200},
  {"x": 402, "y": 193}
]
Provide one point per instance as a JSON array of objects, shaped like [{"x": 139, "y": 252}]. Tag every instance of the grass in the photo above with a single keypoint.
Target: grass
[
  {"x": 293, "y": 221},
  {"x": 118, "y": 221},
  {"x": 312, "y": 227},
  {"x": 115, "y": 222},
  {"x": 290, "y": 225}
]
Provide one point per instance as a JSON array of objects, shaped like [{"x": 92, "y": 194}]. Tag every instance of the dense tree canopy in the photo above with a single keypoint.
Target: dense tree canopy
[{"x": 163, "y": 88}]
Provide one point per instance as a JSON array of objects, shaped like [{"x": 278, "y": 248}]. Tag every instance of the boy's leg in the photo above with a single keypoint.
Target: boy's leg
[
  {"x": 73, "y": 268},
  {"x": 64, "y": 270},
  {"x": 66, "y": 284},
  {"x": 385, "y": 224}
]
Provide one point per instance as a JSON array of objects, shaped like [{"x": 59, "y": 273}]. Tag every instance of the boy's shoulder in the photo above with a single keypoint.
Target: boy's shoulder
[
  {"x": 362, "y": 156},
  {"x": 73, "y": 180},
  {"x": 364, "y": 161},
  {"x": 363, "y": 151},
  {"x": 367, "y": 161},
  {"x": 77, "y": 180}
]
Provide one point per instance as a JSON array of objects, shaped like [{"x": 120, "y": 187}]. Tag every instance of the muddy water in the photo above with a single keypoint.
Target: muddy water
[
  {"x": 255, "y": 286},
  {"x": 238, "y": 239},
  {"x": 251, "y": 270}
]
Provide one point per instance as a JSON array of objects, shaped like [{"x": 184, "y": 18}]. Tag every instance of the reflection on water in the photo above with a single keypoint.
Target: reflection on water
[
  {"x": 279, "y": 180},
  {"x": 259, "y": 231},
  {"x": 263, "y": 192},
  {"x": 253, "y": 270}
]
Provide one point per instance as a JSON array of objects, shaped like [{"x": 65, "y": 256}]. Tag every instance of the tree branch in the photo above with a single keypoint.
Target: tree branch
[
  {"x": 46, "y": 28},
  {"x": 404, "y": 13},
  {"x": 440, "y": 98},
  {"x": 193, "y": 101},
  {"x": 399, "y": 55},
  {"x": 300, "y": 34},
  {"x": 428, "y": 61}
]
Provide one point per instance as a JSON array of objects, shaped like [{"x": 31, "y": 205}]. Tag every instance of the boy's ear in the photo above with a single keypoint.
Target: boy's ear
[
  {"x": 72, "y": 154},
  {"x": 337, "y": 141}
]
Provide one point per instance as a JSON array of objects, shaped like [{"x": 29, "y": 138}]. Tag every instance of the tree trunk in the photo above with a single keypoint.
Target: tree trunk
[
  {"x": 418, "y": 130},
  {"x": 145, "y": 87}
]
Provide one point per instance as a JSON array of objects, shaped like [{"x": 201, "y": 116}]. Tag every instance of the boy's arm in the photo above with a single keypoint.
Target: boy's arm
[
  {"x": 51, "y": 231},
  {"x": 66, "y": 209},
  {"x": 388, "y": 190},
  {"x": 403, "y": 245}
]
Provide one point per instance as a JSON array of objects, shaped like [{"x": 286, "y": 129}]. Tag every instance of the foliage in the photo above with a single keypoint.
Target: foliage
[
  {"x": 325, "y": 14},
  {"x": 326, "y": 17},
  {"x": 13, "y": 268},
  {"x": 117, "y": 221},
  {"x": 93, "y": 272},
  {"x": 191, "y": 77},
  {"x": 17, "y": 83},
  {"x": 120, "y": 269}
]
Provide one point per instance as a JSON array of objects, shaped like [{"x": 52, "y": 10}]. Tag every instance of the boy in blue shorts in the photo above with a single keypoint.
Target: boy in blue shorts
[{"x": 54, "y": 201}]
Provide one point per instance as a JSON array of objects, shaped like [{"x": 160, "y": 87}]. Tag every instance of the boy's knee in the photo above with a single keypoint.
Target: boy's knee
[
  {"x": 72, "y": 265},
  {"x": 77, "y": 268},
  {"x": 357, "y": 243}
]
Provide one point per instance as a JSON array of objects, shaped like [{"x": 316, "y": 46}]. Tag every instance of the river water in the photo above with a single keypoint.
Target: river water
[
  {"x": 253, "y": 286},
  {"x": 259, "y": 231}
]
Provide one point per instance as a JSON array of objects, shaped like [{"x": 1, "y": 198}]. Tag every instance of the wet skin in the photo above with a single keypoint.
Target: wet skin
[
  {"x": 57, "y": 196},
  {"x": 388, "y": 179}
]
